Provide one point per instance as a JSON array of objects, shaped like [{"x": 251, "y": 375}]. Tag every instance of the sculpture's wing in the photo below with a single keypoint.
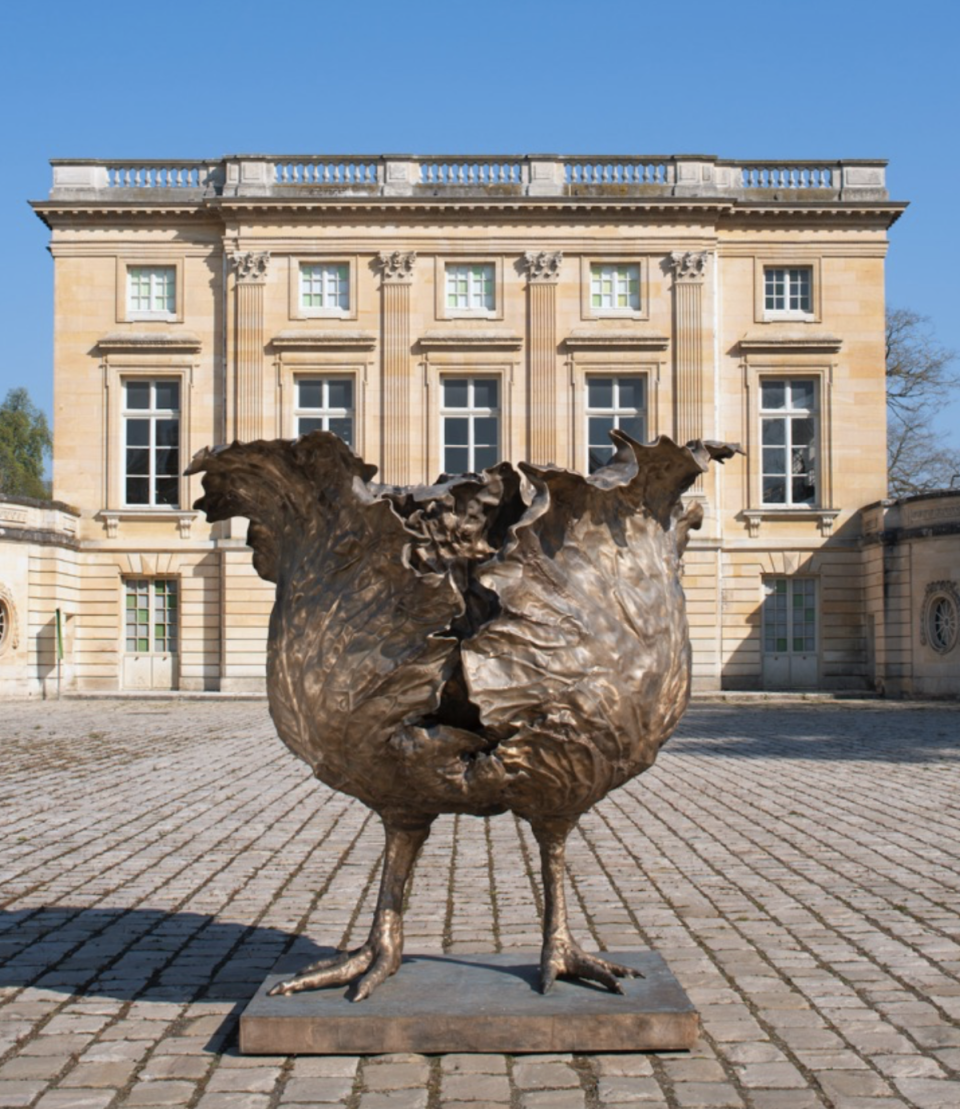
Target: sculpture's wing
[{"x": 357, "y": 639}]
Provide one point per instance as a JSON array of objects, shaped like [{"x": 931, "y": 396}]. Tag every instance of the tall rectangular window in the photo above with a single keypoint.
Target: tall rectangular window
[
  {"x": 151, "y": 292},
  {"x": 788, "y": 437},
  {"x": 789, "y": 616},
  {"x": 787, "y": 290},
  {"x": 469, "y": 423},
  {"x": 470, "y": 288},
  {"x": 325, "y": 404},
  {"x": 152, "y": 615},
  {"x": 151, "y": 428},
  {"x": 325, "y": 286},
  {"x": 613, "y": 401},
  {"x": 614, "y": 287}
]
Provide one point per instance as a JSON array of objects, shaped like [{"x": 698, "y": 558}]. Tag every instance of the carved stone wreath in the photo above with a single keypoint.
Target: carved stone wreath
[
  {"x": 9, "y": 630},
  {"x": 940, "y": 617}
]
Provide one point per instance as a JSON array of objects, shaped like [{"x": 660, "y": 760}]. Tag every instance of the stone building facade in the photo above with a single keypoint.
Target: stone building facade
[
  {"x": 441, "y": 313},
  {"x": 912, "y": 582}
]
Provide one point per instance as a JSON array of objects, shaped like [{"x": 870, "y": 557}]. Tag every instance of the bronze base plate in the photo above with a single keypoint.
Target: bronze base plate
[{"x": 475, "y": 1003}]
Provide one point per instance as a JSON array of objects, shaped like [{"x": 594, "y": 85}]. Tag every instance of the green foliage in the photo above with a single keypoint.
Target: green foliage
[{"x": 25, "y": 441}]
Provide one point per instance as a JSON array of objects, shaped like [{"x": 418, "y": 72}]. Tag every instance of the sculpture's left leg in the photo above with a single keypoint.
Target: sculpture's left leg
[
  {"x": 562, "y": 956},
  {"x": 379, "y": 957}
]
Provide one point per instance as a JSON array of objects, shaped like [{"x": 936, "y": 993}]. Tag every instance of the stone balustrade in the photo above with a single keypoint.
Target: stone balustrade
[{"x": 471, "y": 175}]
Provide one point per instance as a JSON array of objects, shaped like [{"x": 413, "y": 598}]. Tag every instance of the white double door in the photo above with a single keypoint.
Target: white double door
[{"x": 151, "y": 633}]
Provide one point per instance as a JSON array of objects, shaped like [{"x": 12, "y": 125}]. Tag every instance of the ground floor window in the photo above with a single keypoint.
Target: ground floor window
[
  {"x": 613, "y": 401},
  {"x": 152, "y": 615},
  {"x": 470, "y": 423}
]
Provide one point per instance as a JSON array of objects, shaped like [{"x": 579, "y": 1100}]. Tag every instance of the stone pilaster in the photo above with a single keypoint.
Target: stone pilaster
[
  {"x": 543, "y": 273},
  {"x": 689, "y": 269},
  {"x": 397, "y": 277},
  {"x": 248, "y": 404}
]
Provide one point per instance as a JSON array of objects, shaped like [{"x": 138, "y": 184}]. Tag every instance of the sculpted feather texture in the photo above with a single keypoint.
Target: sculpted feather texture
[{"x": 512, "y": 640}]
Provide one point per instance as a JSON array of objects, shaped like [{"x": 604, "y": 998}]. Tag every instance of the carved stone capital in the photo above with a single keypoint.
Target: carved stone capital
[
  {"x": 690, "y": 265},
  {"x": 397, "y": 265},
  {"x": 251, "y": 266},
  {"x": 543, "y": 265}
]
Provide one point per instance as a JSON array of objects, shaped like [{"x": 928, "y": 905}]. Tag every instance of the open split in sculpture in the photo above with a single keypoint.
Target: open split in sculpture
[{"x": 514, "y": 640}]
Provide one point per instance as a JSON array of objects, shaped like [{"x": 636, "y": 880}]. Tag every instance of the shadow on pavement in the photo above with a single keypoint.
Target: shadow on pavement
[{"x": 894, "y": 733}]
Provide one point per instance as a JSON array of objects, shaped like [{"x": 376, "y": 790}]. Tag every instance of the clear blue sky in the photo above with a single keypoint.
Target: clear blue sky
[{"x": 834, "y": 79}]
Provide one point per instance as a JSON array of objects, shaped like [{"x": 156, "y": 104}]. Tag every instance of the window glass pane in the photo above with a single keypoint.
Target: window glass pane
[
  {"x": 340, "y": 393},
  {"x": 138, "y": 433},
  {"x": 138, "y": 490},
  {"x": 456, "y": 431},
  {"x": 774, "y": 432},
  {"x": 485, "y": 431},
  {"x": 803, "y": 490},
  {"x": 486, "y": 392},
  {"x": 774, "y": 490},
  {"x": 483, "y": 457},
  {"x": 774, "y": 460},
  {"x": 456, "y": 460},
  {"x": 306, "y": 424},
  {"x": 138, "y": 460},
  {"x": 802, "y": 432},
  {"x": 310, "y": 394},
  {"x": 455, "y": 392},
  {"x": 801, "y": 394},
  {"x": 342, "y": 426},
  {"x": 168, "y": 395},
  {"x": 599, "y": 392},
  {"x": 168, "y": 491},
  {"x": 168, "y": 462},
  {"x": 138, "y": 394},
  {"x": 773, "y": 394},
  {"x": 168, "y": 433},
  {"x": 598, "y": 429}
]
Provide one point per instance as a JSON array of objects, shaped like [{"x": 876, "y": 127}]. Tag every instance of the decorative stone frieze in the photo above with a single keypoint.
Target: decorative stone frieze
[
  {"x": 689, "y": 265},
  {"x": 543, "y": 265},
  {"x": 397, "y": 266},
  {"x": 251, "y": 266}
]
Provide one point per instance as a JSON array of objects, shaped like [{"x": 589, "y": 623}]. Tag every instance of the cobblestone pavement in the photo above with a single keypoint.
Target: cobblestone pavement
[{"x": 796, "y": 865}]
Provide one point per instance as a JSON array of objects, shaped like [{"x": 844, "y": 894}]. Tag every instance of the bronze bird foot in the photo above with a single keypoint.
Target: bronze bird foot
[
  {"x": 563, "y": 957},
  {"x": 377, "y": 959}
]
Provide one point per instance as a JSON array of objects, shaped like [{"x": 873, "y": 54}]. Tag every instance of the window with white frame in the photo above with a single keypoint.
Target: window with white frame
[
  {"x": 325, "y": 404},
  {"x": 469, "y": 423},
  {"x": 470, "y": 288},
  {"x": 152, "y": 615},
  {"x": 788, "y": 438},
  {"x": 788, "y": 291},
  {"x": 614, "y": 288},
  {"x": 151, "y": 292},
  {"x": 789, "y": 616},
  {"x": 613, "y": 401},
  {"x": 151, "y": 430},
  {"x": 325, "y": 287}
]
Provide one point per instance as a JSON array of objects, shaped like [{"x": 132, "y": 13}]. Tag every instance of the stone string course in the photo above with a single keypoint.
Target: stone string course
[{"x": 796, "y": 866}]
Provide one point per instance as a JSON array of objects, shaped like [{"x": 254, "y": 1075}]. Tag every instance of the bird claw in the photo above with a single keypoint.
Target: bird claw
[
  {"x": 369, "y": 965},
  {"x": 567, "y": 959}
]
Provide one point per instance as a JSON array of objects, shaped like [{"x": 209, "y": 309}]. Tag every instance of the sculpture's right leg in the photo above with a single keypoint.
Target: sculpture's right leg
[{"x": 378, "y": 958}]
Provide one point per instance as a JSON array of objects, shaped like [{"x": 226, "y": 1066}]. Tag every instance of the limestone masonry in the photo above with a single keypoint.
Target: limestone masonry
[{"x": 441, "y": 313}]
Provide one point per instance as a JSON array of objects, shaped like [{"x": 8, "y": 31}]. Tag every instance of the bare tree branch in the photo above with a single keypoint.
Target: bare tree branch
[{"x": 919, "y": 378}]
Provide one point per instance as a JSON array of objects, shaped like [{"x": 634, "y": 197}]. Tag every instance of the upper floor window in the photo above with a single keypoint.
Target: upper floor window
[
  {"x": 470, "y": 288},
  {"x": 325, "y": 404},
  {"x": 151, "y": 292},
  {"x": 788, "y": 291},
  {"x": 613, "y": 401},
  {"x": 614, "y": 288},
  {"x": 788, "y": 437},
  {"x": 325, "y": 287},
  {"x": 469, "y": 423},
  {"x": 151, "y": 419}
]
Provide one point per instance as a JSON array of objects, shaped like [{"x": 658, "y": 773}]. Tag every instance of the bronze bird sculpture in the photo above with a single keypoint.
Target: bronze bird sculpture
[{"x": 514, "y": 640}]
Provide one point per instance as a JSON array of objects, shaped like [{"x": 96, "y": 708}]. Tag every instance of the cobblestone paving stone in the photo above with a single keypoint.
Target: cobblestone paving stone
[{"x": 797, "y": 865}]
